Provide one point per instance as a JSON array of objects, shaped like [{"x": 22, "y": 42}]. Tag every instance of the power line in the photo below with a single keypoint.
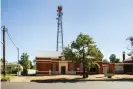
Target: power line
[
  {"x": 13, "y": 43},
  {"x": 11, "y": 39}
]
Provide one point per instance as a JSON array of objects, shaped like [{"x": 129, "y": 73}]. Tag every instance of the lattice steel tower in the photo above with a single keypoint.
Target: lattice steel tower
[{"x": 59, "y": 46}]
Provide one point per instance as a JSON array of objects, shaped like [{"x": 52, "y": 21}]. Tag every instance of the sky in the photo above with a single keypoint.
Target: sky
[{"x": 32, "y": 24}]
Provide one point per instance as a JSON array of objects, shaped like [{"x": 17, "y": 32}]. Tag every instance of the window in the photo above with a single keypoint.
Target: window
[
  {"x": 71, "y": 67},
  {"x": 54, "y": 67}
]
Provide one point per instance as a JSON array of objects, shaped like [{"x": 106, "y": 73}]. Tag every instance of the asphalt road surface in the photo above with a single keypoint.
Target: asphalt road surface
[{"x": 78, "y": 85}]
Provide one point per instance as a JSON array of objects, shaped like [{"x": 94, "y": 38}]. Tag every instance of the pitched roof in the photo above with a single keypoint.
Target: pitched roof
[{"x": 48, "y": 54}]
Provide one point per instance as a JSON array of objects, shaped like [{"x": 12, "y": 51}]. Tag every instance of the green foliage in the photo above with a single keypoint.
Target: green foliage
[
  {"x": 1, "y": 59},
  {"x": 70, "y": 55},
  {"x": 25, "y": 62},
  {"x": 113, "y": 59},
  {"x": 75, "y": 51},
  {"x": 19, "y": 68},
  {"x": 34, "y": 64},
  {"x": 131, "y": 41},
  {"x": 31, "y": 66},
  {"x": 95, "y": 52},
  {"x": 8, "y": 77},
  {"x": 117, "y": 60},
  {"x": 34, "y": 67}
]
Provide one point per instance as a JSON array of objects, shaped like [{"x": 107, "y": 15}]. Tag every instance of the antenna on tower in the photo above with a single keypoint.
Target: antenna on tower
[{"x": 59, "y": 46}]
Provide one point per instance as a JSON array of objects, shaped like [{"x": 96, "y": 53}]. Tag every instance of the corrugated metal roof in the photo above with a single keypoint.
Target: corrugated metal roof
[{"x": 48, "y": 54}]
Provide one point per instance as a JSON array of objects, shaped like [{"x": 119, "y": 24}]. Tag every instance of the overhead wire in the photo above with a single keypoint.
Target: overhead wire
[{"x": 11, "y": 39}]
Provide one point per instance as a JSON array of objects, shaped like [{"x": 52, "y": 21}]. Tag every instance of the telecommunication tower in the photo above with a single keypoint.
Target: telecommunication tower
[{"x": 59, "y": 46}]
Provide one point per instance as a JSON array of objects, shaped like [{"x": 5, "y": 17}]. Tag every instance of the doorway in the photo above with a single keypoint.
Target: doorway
[{"x": 63, "y": 70}]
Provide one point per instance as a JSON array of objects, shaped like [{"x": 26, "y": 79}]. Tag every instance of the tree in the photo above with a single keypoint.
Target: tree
[
  {"x": 34, "y": 61},
  {"x": 113, "y": 58},
  {"x": 105, "y": 61},
  {"x": 131, "y": 48},
  {"x": 117, "y": 60},
  {"x": 130, "y": 39},
  {"x": 80, "y": 49},
  {"x": 95, "y": 52},
  {"x": 25, "y": 62},
  {"x": 3, "y": 60},
  {"x": 32, "y": 64}
]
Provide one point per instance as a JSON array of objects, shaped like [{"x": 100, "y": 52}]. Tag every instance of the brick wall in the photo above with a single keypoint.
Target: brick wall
[
  {"x": 69, "y": 66},
  {"x": 43, "y": 66},
  {"x": 100, "y": 70},
  {"x": 57, "y": 66},
  {"x": 112, "y": 67}
]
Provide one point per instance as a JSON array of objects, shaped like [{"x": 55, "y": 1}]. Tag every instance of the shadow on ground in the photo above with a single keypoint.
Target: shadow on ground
[{"x": 75, "y": 80}]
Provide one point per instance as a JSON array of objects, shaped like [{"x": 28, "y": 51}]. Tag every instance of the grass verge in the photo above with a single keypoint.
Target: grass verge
[{"x": 8, "y": 77}]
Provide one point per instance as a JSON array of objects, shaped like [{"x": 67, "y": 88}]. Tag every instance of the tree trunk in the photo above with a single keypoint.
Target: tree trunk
[{"x": 84, "y": 76}]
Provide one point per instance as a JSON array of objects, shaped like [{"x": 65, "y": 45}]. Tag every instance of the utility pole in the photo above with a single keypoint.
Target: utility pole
[{"x": 4, "y": 30}]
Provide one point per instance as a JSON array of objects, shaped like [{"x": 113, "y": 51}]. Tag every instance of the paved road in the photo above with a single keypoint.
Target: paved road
[{"x": 78, "y": 85}]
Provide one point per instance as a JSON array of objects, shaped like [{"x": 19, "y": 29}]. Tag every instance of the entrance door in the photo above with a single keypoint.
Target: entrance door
[{"x": 63, "y": 70}]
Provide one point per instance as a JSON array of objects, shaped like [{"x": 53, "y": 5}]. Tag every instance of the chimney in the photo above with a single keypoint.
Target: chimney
[{"x": 123, "y": 56}]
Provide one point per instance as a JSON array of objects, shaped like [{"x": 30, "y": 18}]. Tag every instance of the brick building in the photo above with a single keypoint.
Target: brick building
[{"x": 53, "y": 63}]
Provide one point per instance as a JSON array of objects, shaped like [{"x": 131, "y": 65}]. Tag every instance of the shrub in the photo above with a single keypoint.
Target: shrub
[
  {"x": 8, "y": 77},
  {"x": 25, "y": 72}
]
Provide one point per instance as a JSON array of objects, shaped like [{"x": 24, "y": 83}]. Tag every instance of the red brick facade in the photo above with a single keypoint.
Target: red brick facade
[{"x": 43, "y": 65}]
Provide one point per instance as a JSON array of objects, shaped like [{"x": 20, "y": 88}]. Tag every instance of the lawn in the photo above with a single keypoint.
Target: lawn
[{"x": 8, "y": 77}]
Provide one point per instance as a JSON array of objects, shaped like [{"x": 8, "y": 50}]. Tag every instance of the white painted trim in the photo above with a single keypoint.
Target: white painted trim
[{"x": 63, "y": 63}]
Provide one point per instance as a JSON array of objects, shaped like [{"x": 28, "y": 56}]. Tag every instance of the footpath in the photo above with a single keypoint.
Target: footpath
[{"x": 69, "y": 78}]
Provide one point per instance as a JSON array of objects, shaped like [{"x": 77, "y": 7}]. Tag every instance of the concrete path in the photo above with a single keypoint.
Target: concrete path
[
  {"x": 29, "y": 78},
  {"x": 20, "y": 79},
  {"x": 90, "y": 77}
]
